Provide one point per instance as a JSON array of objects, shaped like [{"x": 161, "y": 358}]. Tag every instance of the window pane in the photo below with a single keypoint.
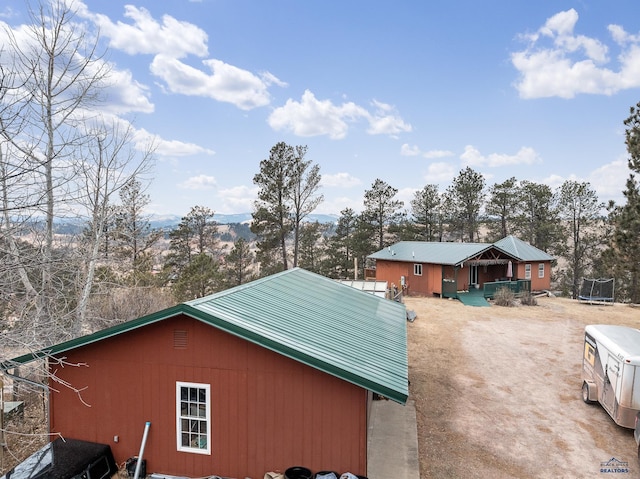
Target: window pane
[{"x": 193, "y": 409}]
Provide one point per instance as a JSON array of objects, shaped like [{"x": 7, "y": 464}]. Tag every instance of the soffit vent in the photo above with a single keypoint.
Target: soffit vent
[{"x": 180, "y": 339}]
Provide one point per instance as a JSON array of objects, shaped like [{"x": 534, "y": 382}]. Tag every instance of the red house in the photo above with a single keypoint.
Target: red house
[
  {"x": 272, "y": 374},
  {"x": 438, "y": 268}
]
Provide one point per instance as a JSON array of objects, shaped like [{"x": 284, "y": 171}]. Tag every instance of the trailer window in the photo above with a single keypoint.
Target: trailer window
[{"x": 193, "y": 411}]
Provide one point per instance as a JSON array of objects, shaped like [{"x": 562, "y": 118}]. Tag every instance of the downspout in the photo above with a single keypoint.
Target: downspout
[{"x": 144, "y": 441}]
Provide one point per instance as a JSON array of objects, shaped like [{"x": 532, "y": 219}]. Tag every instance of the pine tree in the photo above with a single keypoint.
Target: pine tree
[
  {"x": 194, "y": 253},
  {"x": 133, "y": 233},
  {"x": 466, "y": 197},
  {"x": 272, "y": 215},
  {"x": 580, "y": 212},
  {"x": 538, "y": 220},
  {"x": 238, "y": 263},
  {"x": 501, "y": 208},
  {"x": 381, "y": 209},
  {"x": 625, "y": 240},
  {"x": 425, "y": 212},
  {"x": 305, "y": 182}
]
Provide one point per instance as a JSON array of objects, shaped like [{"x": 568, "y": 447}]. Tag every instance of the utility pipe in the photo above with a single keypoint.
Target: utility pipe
[{"x": 144, "y": 441}]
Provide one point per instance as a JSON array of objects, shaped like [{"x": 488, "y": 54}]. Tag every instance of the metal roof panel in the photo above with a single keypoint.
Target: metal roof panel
[{"x": 351, "y": 334}]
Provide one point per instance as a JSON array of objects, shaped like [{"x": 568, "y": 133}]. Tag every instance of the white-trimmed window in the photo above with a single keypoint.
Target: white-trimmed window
[
  {"x": 193, "y": 411},
  {"x": 540, "y": 270},
  {"x": 417, "y": 269},
  {"x": 527, "y": 271}
]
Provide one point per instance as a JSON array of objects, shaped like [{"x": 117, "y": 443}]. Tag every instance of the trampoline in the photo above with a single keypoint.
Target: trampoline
[{"x": 597, "y": 291}]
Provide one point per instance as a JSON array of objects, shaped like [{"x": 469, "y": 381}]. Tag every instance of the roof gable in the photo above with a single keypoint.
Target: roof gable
[
  {"x": 335, "y": 328},
  {"x": 521, "y": 250}
]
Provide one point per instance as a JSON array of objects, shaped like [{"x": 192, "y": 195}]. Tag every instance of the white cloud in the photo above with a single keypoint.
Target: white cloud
[
  {"x": 270, "y": 79},
  {"x": 147, "y": 36},
  {"x": 336, "y": 205},
  {"x": 171, "y": 40},
  {"x": 8, "y": 12},
  {"x": 386, "y": 121},
  {"x": 200, "y": 182},
  {"x": 407, "y": 150},
  {"x": 431, "y": 154},
  {"x": 609, "y": 180},
  {"x": 126, "y": 95},
  {"x": 122, "y": 94},
  {"x": 340, "y": 180},
  {"x": 313, "y": 117},
  {"x": 237, "y": 199},
  {"x": 525, "y": 156},
  {"x": 440, "y": 172},
  {"x": 226, "y": 82},
  {"x": 168, "y": 148},
  {"x": 572, "y": 64}
]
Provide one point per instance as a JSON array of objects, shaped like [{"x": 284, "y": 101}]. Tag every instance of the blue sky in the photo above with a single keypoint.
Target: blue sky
[{"x": 410, "y": 92}]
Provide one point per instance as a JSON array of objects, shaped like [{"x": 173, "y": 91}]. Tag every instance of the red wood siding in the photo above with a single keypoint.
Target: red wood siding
[
  {"x": 429, "y": 283},
  {"x": 268, "y": 412},
  {"x": 537, "y": 284}
]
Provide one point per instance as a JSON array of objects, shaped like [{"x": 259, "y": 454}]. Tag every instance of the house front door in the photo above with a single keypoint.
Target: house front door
[{"x": 473, "y": 275}]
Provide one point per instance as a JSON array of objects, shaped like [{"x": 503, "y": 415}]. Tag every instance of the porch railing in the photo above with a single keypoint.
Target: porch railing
[{"x": 518, "y": 287}]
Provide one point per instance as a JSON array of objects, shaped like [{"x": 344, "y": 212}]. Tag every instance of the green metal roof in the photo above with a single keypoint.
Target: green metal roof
[
  {"x": 350, "y": 334},
  {"x": 457, "y": 253},
  {"x": 521, "y": 250},
  {"x": 430, "y": 252}
]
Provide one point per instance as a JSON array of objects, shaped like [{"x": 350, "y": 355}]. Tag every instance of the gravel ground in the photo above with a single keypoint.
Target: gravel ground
[{"x": 497, "y": 391}]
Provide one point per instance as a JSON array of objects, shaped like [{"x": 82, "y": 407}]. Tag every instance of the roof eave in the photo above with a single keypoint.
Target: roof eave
[{"x": 397, "y": 395}]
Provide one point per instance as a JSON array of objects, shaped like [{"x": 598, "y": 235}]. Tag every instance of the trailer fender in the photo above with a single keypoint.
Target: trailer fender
[{"x": 589, "y": 392}]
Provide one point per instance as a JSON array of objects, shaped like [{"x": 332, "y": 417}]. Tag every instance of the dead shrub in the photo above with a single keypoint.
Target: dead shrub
[
  {"x": 504, "y": 297},
  {"x": 527, "y": 299}
]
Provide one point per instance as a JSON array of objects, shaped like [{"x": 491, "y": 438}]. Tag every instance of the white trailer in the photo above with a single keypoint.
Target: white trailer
[{"x": 611, "y": 371}]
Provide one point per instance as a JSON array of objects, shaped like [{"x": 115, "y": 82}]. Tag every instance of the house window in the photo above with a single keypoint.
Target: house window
[
  {"x": 540, "y": 270},
  {"x": 193, "y": 411},
  {"x": 417, "y": 269},
  {"x": 527, "y": 271}
]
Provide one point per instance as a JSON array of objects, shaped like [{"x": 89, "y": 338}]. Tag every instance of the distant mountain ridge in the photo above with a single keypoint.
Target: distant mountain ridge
[{"x": 168, "y": 221}]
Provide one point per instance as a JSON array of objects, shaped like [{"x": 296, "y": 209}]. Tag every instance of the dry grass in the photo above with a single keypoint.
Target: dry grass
[{"x": 497, "y": 390}]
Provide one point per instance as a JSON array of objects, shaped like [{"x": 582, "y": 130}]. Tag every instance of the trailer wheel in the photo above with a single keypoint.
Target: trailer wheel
[{"x": 585, "y": 393}]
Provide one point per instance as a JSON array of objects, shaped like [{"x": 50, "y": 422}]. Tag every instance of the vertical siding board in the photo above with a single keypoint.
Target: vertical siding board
[{"x": 268, "y": 412}]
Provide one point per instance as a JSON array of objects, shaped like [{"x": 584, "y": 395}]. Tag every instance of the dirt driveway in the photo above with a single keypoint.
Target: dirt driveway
[{"x": 497, "y": 391}]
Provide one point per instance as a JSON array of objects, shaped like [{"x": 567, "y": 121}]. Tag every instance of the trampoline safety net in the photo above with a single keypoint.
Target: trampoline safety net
[{"x": 600, "y": 290}]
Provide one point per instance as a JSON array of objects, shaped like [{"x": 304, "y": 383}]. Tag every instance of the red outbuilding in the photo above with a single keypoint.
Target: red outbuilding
[{"x": 276, "y": 373}]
